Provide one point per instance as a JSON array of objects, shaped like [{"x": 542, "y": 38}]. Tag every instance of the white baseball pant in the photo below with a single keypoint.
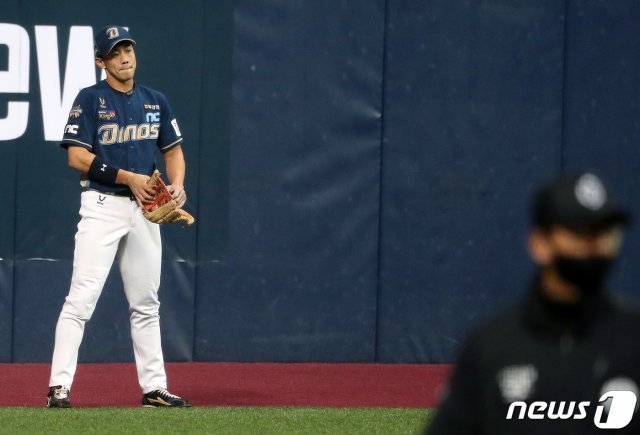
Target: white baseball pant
[{"x": 113, "y": 227}]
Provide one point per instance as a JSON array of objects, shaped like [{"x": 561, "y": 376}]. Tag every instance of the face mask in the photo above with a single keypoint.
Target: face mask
[{"x": 588, "y": 274}]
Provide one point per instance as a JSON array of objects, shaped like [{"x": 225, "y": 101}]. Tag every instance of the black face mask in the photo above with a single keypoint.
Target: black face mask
[{"x": 588, "y": 274}]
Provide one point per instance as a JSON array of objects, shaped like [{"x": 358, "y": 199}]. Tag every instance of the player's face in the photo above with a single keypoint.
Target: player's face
[
  {"x": 120, "y": 63},
  {"x": 574, "y": 265},
  {"x": 560, "y": 241}
]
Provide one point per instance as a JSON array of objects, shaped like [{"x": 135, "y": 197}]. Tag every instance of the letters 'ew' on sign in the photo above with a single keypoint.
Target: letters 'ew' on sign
[{"x": 56, "y": 96}]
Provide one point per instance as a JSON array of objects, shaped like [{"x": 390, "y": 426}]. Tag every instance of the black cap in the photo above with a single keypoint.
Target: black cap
[
  {"x": 108, "y": 37},
  {"x": 577, "y": 202}
]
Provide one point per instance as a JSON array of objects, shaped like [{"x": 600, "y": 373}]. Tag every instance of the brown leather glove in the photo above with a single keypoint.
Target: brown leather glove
[{"x": 163, "y": 209}]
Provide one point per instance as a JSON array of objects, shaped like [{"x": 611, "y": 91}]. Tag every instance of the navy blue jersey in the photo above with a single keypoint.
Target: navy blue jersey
[{"x": 124, "y": 129}]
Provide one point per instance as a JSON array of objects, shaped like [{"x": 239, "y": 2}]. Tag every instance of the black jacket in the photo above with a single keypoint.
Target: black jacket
[{"x": 542, "y": 351}]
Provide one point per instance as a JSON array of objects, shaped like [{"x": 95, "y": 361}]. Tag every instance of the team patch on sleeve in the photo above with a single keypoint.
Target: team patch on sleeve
[
  {"x": 75, "y": 112},
  {"x": 71, "y": 129}
]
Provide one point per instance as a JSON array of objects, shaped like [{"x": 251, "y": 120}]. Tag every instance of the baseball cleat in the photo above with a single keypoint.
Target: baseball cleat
[
  {"x": 162, "y": 398},
  {"x": 58, "y": 397}
]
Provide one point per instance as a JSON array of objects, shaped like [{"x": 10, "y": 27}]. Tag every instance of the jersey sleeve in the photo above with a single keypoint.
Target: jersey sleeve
[
  {"x": 170, "y": 135},
  {"x": 81, "y": 124}
]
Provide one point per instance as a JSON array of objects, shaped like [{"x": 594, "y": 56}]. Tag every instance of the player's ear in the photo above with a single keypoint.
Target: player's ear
[
  {"x": 540, "y": 248},
  {"x": 100, "y": 63}
]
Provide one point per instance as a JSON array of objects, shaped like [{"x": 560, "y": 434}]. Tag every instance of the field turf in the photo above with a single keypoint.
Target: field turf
[{"x": 213, "y": 420}]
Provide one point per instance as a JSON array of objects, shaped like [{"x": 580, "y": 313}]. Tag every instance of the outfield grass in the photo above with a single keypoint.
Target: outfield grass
[{"x": 219, "y": 420}]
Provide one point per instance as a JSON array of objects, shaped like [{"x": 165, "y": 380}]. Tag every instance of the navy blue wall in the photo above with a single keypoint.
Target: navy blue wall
[
  {"x": 303, "y": 218},
  {"x": 472, "y": 120},
  {"x": 602, "y": 108},
  {"x": 360, "y": 170}
]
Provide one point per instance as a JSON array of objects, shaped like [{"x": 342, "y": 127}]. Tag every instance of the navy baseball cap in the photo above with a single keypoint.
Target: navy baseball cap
[
  {"x": 108, "y": 37},
  {"x": 579, "y": 202}
]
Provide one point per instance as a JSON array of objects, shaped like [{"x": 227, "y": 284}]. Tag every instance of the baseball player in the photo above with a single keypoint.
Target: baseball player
[{"x": 114, "y": 131}]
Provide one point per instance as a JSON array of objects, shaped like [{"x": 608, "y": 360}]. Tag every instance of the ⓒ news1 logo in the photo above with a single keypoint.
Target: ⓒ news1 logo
[{"x": 620, "y": 404}]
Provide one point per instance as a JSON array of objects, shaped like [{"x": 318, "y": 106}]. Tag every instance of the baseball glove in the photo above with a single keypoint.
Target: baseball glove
[{"x": 163, "y": 209}]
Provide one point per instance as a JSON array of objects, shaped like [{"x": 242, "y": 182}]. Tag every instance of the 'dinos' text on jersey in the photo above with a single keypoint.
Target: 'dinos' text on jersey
[{"x": 109, "y": 134}]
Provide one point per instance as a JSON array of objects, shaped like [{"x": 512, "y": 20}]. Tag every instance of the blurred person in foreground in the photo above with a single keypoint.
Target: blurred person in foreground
[{"x": 566, "y": 359}]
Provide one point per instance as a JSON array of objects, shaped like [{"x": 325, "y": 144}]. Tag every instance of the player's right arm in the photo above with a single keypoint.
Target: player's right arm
[{"x": 80, "y": 159}]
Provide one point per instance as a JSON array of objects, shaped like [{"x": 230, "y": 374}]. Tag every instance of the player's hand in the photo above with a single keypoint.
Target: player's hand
[
  {"x": 138, "y": 185},
  {"x": 178, "y": 193}
]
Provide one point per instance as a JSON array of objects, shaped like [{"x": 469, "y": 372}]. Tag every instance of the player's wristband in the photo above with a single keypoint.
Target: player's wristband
[{"x": 102, "y": 172}]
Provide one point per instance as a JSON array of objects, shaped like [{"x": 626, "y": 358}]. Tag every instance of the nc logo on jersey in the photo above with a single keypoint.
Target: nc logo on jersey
[
  {"x": 112, "y": 32},
  {"x": 71, "y": 129},
  {"x": 153, "y": 117}
]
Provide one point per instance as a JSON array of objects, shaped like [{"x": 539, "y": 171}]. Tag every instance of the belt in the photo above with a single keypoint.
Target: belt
[{"x": 125, "y": 194}]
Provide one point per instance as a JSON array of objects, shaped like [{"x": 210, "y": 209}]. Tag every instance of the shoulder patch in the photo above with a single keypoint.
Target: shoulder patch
[{"x": 75, "y": 112}]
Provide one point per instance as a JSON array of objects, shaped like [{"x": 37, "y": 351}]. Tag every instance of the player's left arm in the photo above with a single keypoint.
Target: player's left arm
[{"x": 176, "y": 168}]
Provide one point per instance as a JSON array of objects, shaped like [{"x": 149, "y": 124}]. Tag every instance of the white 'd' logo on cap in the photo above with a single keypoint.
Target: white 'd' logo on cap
[
  {"x": 112, "y": 32},
  {"x": 590, "y": 192}
]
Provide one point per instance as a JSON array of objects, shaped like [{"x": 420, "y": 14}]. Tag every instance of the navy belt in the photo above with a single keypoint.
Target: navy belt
[{"x": 124, "y": 193}]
